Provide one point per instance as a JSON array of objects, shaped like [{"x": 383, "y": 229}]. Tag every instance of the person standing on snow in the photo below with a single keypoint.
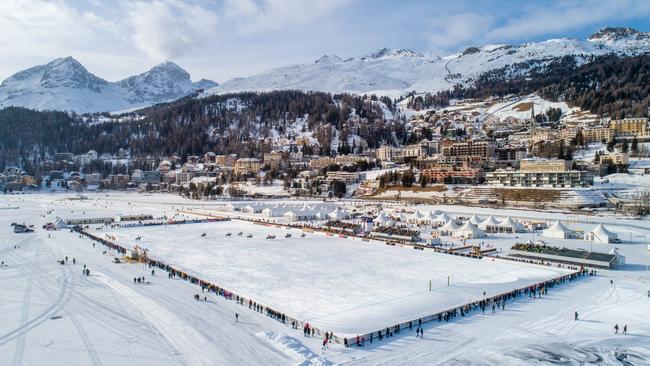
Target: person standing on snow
[{"x": 575, "y": 316}]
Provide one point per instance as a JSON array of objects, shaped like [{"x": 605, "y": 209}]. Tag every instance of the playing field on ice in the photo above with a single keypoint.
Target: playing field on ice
[{"x": 342, "y": 285}]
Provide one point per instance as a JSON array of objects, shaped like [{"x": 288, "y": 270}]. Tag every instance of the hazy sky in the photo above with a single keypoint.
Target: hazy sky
[{"x": 222, "y": 39}]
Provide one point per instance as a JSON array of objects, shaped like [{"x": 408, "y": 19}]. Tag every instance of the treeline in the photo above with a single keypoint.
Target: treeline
[
  {"x": 608, "y": 85},
  {"x": 224, "y": 124}
]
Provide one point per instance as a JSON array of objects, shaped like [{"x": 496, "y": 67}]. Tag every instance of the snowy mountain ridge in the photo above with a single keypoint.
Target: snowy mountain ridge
[
  {"x": 65, "y": 84},
  {"x": 396, "y": 72}
]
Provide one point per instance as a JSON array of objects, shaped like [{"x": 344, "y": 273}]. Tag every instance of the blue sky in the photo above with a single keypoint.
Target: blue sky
[{"x": 229, "y": 38}]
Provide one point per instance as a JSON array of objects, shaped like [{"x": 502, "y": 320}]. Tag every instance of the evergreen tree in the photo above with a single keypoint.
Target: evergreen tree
[{"x": 423, "y": 180}]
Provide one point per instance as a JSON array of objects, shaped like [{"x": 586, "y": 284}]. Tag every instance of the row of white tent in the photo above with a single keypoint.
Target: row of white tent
[
  {"x": 316, "y": 213},
  {"x": 441, "y": 218},
  {"x": 468, "y": 230},
  {"x": 600, "y": 234},
  {"x": 294, "y": 212},
  {"x": 476, "y": 227}
]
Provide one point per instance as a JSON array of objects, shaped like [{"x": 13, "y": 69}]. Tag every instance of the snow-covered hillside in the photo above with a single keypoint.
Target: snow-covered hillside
[
  {"x": 64, "y": 84},
  {"x": 394, "y": 72}
]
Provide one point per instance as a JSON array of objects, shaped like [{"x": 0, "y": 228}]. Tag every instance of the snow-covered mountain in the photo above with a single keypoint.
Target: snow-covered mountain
[
  {"x": 394, "y": 72},
  {"x": 64, "y": 84}
]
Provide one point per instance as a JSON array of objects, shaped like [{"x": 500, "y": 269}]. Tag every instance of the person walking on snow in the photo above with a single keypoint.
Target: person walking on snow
[
  {"x": 236, "y": 318},
  {"x": 575, "y": 316},
  {"x": 625, "y": 329},
  {"x": 616, "y": 329}
]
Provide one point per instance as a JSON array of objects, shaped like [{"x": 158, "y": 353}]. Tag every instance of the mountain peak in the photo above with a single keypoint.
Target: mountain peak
[
  {"x": 70, "y": 73},
  {"x": 66, "y": 63},
  {"x": 169, "y": 68},
  {"x": 168, "y": 65},
  {"x": 387, "y": 52},
  {"x": 610, "y": 34},
  {"x": 64, "y": 60},
  {"x": 65, "y": 84},
  {"x": 328, "y": 59}
]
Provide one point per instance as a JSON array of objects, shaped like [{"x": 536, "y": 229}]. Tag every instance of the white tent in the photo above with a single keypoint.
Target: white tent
[
  {"x": 290, "y": 215},
  {"x": 273, "y": 211},
  {"x": 338, "y": 214},
  {"x": 475, "y": 220},
  {"x": 431, "y": 216},
  {"x": 558, "y": 231},
  {"x": 300, "y": 215},
  {"x": 469, "y": 231},
  {"x": 620, "y": 258},
  {"x": 252, "y": 208},
  {"x": 510, "y": 226},
  {"x": 448, "y": 228},
  {"x": 381, "y": 218},
  {"x": 442, "y": 218},
  {"x": 416, "y": 217},
  {"x": 60, "y": 224},
  {"x": 600, "y": 234},
  {"x": 488, "y": 224}
]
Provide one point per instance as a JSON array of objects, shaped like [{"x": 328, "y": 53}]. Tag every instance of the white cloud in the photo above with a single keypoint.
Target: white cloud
[
  {"x": 36, "y": 31},
  {"x": 252, "y": 16},
  {"x": 450, "y": 31},
  {"x": 169, "y": 29}
]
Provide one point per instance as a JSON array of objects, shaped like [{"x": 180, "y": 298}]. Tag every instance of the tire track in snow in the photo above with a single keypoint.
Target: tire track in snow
[
  {"x": 92, "y": 353},
  {"x": 195, "y": 349},
  {"x": 24, "y": 317},
  {"x": 44, "y": 315}
]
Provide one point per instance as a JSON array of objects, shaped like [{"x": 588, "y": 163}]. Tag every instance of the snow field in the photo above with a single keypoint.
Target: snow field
[
  {"x": 342, "y": 285},
  {"x": 66, "y": 318}
]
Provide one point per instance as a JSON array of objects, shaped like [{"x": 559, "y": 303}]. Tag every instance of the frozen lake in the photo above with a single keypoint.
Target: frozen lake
[{"x": 343, "y": 285}]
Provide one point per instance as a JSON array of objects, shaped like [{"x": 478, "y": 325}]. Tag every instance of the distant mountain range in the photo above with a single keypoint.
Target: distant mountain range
[
  {"x": 395, "y": 72},
  {"x": 64, "y": 84}
]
